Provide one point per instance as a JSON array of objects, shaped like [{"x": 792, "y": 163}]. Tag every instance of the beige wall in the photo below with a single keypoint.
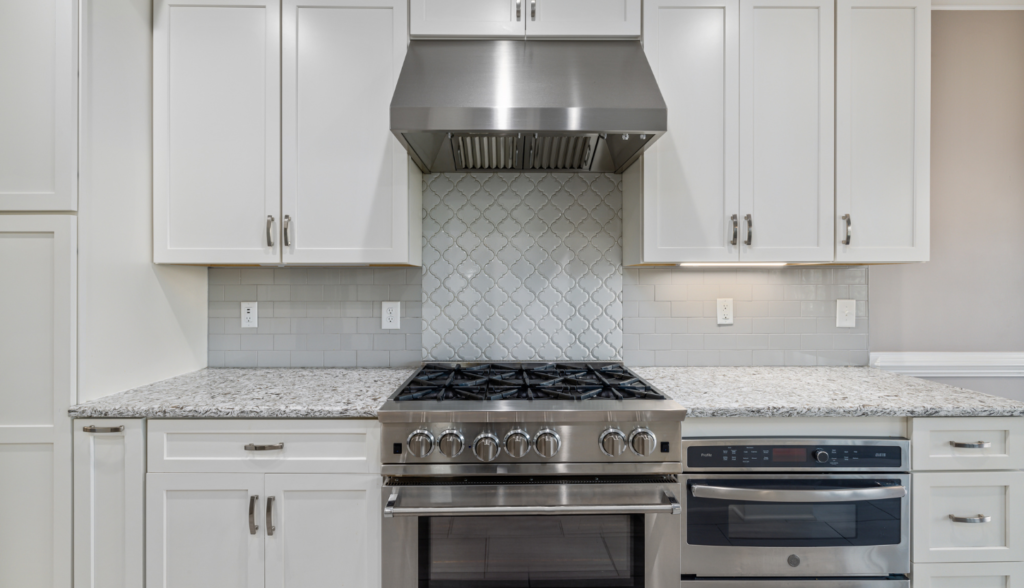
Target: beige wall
[{"x": 970, "y": 296}]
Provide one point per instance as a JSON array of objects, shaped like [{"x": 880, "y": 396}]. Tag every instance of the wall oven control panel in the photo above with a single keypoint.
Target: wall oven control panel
[{"x": 795, "y": 454}]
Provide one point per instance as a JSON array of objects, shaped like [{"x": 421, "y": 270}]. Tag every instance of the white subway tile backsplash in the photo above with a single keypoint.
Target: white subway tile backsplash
[{"x": 310, "y": 317}]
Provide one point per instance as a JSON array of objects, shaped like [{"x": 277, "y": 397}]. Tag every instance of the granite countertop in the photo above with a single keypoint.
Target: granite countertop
[
  {"x": 705, "y": 392},
  {"x": 254, "y": 393},
  {"x": 818, "y": 392}
]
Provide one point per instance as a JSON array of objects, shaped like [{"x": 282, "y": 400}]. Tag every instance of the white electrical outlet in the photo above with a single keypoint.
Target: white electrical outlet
[
  {"x": 390, "y": 315},
  {"x": 724, "y": 313},
  {"x": 249, "y": 315},
  {"x": 846, "y": 313}
]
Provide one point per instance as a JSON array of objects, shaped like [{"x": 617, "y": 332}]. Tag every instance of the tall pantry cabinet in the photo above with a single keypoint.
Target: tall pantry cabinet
[
  {"x": 38, "y": 169},
  {"x": 797, "y": 132},
  {"x": 272, "y": 139}
]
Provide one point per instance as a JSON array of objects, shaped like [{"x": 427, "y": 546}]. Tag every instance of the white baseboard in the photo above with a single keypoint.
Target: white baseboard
[{"x": 951, "y": 364}]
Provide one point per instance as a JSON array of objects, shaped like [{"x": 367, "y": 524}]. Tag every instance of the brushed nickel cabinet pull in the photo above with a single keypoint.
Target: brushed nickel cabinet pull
[
  {"x": 255, "y": 447},
  {"x": 270, "y": 516},
  {"x": 533, "y": 9},
  {"x": 270, "y": 234},
  {"x": 978, "y": 519},
  {"x": 95, "y": 429},
  {"x": 750, "y": 230},
  {"x": 519, "y": 10},
  {"x": 849, "y": 230},
  {"x": 253, "y": 527},
  {"x": 971, "y": 445},
  {"x": 287, "y": 225},
  {"x": 735, "y": 230}
]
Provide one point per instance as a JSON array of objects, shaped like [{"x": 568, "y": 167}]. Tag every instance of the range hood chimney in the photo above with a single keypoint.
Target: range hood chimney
[{"x": 526, "y": 106}]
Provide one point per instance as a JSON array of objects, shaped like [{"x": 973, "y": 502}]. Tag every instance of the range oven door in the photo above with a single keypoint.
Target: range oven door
[
  {"x": 508, "y": 532},
  {"x": 786, "y": 525}
]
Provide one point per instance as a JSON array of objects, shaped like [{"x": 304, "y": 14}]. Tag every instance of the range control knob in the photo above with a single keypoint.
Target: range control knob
[
  {"x": 486, "y": 447},
  {"x": 612, "y": 442},
  {"x": 547, "y": 443},
  {"x": 642, "y": 441},
  {"x": 420, "y": 443},
  {"x": 517, "y": 443},
  {"x": 821, "y": 456},
  {"x": 451, "y": 443}
]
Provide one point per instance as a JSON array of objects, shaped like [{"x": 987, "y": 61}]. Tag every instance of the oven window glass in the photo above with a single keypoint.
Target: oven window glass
[
  {"x": 577, "y": 551},
  {"x": 712, "y": 521}
]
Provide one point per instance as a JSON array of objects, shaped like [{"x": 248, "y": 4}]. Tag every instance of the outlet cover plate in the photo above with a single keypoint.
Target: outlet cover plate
[
  {"x": 724, "y": 312},
  {"x": 250, "y": 315},
  {"x": 846, "y": 313},
  {"x": 390, "y": 315}
]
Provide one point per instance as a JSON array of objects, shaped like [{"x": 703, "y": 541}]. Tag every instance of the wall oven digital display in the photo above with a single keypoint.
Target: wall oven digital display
[{"x": 789, "y": 454}]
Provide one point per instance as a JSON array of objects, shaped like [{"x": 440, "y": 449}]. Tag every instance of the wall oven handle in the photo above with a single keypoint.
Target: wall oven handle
[
  {"x": 835, "y": 495},
  {"x": 391, "y": 509}
]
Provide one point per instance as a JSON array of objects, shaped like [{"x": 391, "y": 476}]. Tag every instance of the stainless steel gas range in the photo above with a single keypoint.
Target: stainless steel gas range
[{"x": 530, "y": 474}]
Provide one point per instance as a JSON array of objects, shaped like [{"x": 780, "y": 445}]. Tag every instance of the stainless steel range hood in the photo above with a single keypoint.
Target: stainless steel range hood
[{"x": 529, "y": 106}]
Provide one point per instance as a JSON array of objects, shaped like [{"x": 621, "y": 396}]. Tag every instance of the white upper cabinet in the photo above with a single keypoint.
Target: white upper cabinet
[
  {"x": 532, "y": 18},
  {"x": 216, "y": 151},
  {"x": 467, "y": 18},
  {"x": 38, "y": 105},
  {"x": 583, "y": 18},
  {"x": 349, "y": 194},
  {"x": 883, "y": 76},
  {"x": 683, "y": 194},
  {"x": 786, "y": 130}
]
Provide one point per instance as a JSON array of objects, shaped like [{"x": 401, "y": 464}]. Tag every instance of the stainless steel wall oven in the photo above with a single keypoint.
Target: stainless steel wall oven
[{"x": 796, "y": 510}]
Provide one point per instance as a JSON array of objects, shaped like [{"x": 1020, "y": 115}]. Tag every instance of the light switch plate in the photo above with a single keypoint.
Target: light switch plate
[
  {"x": 724, "y": 312},
  {"x": 250, "y": 315},
  {"x": 390, "y": 315},
  {"x": 846, "y": 313}
]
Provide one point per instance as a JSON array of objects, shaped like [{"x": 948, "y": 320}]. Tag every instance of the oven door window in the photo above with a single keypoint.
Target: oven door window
[
  {"x": 714, "y": 521},
  {"x": 579, "y": 551}
]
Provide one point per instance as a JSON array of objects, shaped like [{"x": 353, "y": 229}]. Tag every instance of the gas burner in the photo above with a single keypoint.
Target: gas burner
[{"x": 526, "y": 381}]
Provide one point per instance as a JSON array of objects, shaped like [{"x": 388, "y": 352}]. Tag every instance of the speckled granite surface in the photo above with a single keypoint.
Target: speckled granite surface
[
  {"x": 254, "y": 393},
  {"x": 818, "y": 392},
  {"x": 705, "y": 392}
]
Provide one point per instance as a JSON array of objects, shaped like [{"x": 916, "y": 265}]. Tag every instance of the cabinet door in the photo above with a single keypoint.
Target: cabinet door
[
  {"x": 349, "y": 195},
  {"x": 883, "y": 84},
  {"x": 37, "y": 384},
  {"x": 325, "y": 530},
  {"x": 110, "y": 470},
  {"x": 204, "y": 531},
  {"x": 38, "y": 105},
  {"x": 689, "y": 179},
  {"x": 787, "y": 130},
  {"x": 583, "y": 18},
  {"x": 467, "y": 18},
  {"x": 967, "y": 575},
  {"x": 989, "y": 506},
  {"x": 216, "y": 131}
]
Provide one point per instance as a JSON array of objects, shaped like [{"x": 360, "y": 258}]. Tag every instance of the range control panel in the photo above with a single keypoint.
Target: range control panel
[{"x": 876, "y": 455}]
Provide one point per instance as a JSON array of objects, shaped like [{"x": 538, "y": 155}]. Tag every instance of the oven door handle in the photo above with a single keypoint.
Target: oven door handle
[
  {"x": 834, "y": 495},
  {"x": 391, "y": 509}
]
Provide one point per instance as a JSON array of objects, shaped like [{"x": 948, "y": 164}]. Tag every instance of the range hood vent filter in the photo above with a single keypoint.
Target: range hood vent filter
[{"x": 515, "y": 152}]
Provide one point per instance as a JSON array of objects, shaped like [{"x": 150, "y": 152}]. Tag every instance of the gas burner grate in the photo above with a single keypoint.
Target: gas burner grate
[{"x": 552, "y": 381}]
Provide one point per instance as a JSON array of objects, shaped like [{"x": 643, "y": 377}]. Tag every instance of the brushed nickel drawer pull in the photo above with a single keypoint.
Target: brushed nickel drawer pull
[
  {"x": 978, "y": 519},
  {"x": 972, "y": 445},
  {"x": 519, "y": 10},
  {"x": 735, "y": 230},
  {"x": 750, "y": 229},
  {"x": 270, "y": 229},
  {"x": 849, "y": 230},
  {"x": 95, "y": 429},
  {"x": 254, "y": 447},
  {"x": 253, "y": 527}
]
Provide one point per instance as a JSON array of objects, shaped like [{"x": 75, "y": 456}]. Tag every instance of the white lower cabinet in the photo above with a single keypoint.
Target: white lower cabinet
[
  {"x": 322, "y": 530},
  {"x": 968, "y": 575},
  {"x": 253, "y": 530},
  {"x": 968, "y": 517},
  {"x": 110, "y": 481}
]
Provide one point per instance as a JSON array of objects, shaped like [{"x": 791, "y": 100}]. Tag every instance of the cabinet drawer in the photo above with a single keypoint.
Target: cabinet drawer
[
  {"x": 244, "y": 446},
  {"x": 946, "y": 443},
  {"x": 967, "y": 575},
  {"x": 994, "y": 495}
]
